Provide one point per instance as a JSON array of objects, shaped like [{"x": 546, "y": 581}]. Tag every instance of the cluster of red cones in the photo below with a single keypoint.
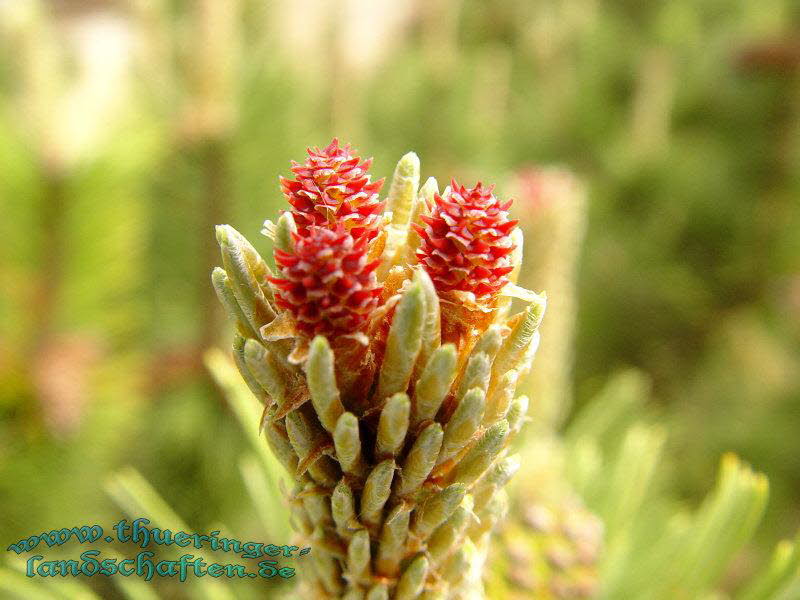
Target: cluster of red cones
[{"x": 327, "y": 281}]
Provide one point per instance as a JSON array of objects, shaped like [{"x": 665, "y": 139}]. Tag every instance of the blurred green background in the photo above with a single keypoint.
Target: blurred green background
[{"x": 129, "y": 128}]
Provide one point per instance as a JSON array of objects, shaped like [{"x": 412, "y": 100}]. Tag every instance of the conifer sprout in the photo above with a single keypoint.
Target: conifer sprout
[{"x": 387, "y": 361}]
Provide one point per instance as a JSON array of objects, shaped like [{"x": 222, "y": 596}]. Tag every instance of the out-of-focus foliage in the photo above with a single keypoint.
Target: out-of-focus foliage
[
  {"x": 135, "y": 496},
  {"x": 127, "y": 129},
  {"x": 653, "y": 545}
]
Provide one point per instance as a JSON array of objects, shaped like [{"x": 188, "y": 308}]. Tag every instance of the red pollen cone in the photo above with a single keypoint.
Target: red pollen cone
[
  {"x": 327, "y": 283},
  {"x": 466, "y": 242},
  {"x": 333, "y": 188}
]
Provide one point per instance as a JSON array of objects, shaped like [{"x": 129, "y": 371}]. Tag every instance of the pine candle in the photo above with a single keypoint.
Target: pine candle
[{"x": 387, "y": 362}]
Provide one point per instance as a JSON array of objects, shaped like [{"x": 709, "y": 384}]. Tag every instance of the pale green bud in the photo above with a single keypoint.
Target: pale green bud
[
  {"x": 403, "y": 342},
  {"x": 307, "y": 440},
  {"x": 434, "y": 384},
  {"x": 392, "y": 541},
  {"x": 358, "y": 556},
  {"x": 432, "y": 328},
  {"x": 420, "y": 460},
  {"x": 278, "y": 441},
  {"x": 462, "y": 425},
  {"x": 322, "y": 383},
  {"x": 499, "y": 400},
  {"x": 516, "y": 414},
  {"x": 512, "y": 352},
  {"x": 239, "y": 358},
  {"x": 413, "y": 579},
  {"x": 482, "y": 454},
  {"x": 343, "y": 509},
  {"x": 448, "y": 535},
  {"x": 265, "y": 370},
  {"x": 224, "y": 290},
  {"x": 436, "y": 509},
  {"x": 393, "y": 425},
  {"x": 476, "y": 375},
  {"x": 403, "y": 189},
  {"x": 376, "y": 492},
  {"x": 347, "y": 442},
  {"x": 424, "y": 199},
  {"x": 245, "y": 268},
  {"x": 490, "y": 342},
  {"x": 283, "y": 232}
]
